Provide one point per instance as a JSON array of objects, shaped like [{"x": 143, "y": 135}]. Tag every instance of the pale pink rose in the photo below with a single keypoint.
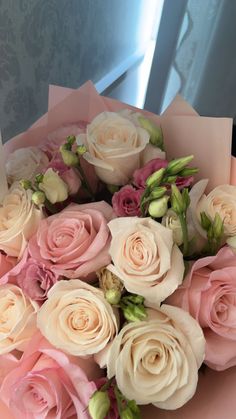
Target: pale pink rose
[
  {"x": 140, "y": 175},
  {"x": 145, "y": 258},
  {"x": 25, "y": 163},
  {"x": 17, "y": 318},
  {"x": 77, "y": 318},
  {"x": 126, "y": 202},
  {"x": 47, "y": 384},
  {"x": 7, "y": 363},
  {"x": 19, "y": 220},
  {"x": 6, "y": 264},
  {"x": 208, "y": 293},
  {"x": 33, "y": 277},
  {"x": 156, "y": 361},
  {"x": 53, "y": 141},
  {"x": 68, "y": 174},
  {"x": 74, "y": 242},
  {"x": 114, "y": 145}
]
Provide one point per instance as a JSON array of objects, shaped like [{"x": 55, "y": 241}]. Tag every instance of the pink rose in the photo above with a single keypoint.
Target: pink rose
[
  {"x": 68, "y": 174},
  {"x": 140, "y": 175},
  {"x": 6, "y": 264},
  {"x": 126, "y": 202},
  {"x": 34, "y": 278},
  {"x": 74, "y": 242},
  {"x": 46, "y": 383},
  {"x": 53, "y": 141},
  {"x": 208, "y": 293}
]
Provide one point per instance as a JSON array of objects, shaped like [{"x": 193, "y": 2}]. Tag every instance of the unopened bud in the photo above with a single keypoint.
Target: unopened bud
[
  {"x": 38, "y": 198},
  {"x": 158, "y": 192},
  {"x": 113, "y": 188},
  {"x": 26, "y": 184},
  {"x": 169, "y": 179},
  {"x": 155, "y": 178},
  {"x": 205, "y": 221},
  {"x": 176, "y": 200},
  {"x": 185, "y": 198},
  {"x": 188, "y": 171},
  {"x": 133, "y": 298},
  {"x": 39, "y": 178},
  {"x": 70, "y": 140},
  {"x": 155, "y": 132},
  {"x": 68, "y": 157},
  {"x": 81, "y": 149},
  {"x": 99, "y": 405},
  {"x": 175, "y": 166},
  {"x": 158, "y": 208},
  {"x": 113, "y": 296},
  {"x": 218, "y": 227},
  {"x": 134, "y": 313},
  {"x": 127, "y": 414}
]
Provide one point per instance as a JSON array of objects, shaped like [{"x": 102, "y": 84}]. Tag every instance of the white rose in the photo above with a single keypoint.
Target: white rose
[
  {"x": 17, "y": 318},
  {"x": 221, "y": 200},
  {"x": 55, "y": 189},
  {"x": 146, "y": 259},
  {"x": 156, "y": 361},
  {"x": 19, "y": 220},
  {"x": 114, "y": 146},
  {"x": 77, "y": 318},
  {"x": 171, "y": 221},
  {"x": 25, "y": 163}
]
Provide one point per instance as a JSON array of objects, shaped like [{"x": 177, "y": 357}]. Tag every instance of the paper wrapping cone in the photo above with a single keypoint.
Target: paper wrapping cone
[{"x": 185, "y": 132}]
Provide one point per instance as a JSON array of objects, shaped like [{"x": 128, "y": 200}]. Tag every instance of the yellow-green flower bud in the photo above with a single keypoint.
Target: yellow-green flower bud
[
  {"x": 217, "y": 227},
  {"x": 113, "y": 188},
  {"x": 70, "y": 140},
  {"x": 205, "y": 221},
  {"x": 176, "y": 200},
  {"x": 127, "y": 414},
  {"x": 99, "y": 405},
  {"x": 175, "y": 166},
  {"x": 134, "y": 313},
  {"x": 81, "y": 149},
  {"x": 38, "y": 198},
  {"x": 157, "y": 192},
  {"x": 26, "y": 184},
  {"x": 133, "y": 298},
  {"x": 185, "y": 198},
  {"x": 158, "y": 208},
  {"x": 155, "y": 132},
  {"x": 68, "y": 157},
  {"x": 188, "y": 171},
  {"x": 156, "y": 178},
  {"x": 113, "y": 296}
]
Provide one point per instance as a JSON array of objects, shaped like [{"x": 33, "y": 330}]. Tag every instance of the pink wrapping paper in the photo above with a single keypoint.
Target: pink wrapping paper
[{"x": 185, "y": 132}]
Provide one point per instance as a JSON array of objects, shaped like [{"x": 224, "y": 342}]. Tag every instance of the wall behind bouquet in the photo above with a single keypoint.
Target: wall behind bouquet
[{"x": 64, "y": 42}]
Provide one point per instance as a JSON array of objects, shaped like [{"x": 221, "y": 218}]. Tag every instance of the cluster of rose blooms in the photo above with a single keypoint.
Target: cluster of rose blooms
[{"x": 117, "y": 274}]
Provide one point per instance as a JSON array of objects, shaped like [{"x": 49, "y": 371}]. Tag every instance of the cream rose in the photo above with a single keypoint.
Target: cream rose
[
  {"x": 114, "y": 146},
  {"x": 55, "y": 189},
  {"x": 25, "y": 163},
  {"x": 146, "y": 260},
  {"x": 17, "y": 318},
  {"x": 156, "y": 361},
  {"x": 19, "y": 220},
  {"x": 77, "y": 319},
  {"x": 221, "y": 200}
]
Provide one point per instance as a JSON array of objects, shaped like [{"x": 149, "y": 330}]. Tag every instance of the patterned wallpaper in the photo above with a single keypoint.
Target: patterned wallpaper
[{"x": 64, "y": 42}]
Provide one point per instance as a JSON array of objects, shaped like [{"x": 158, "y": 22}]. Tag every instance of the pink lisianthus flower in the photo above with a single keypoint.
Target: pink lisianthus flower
[
  {"x": 184, "y": 182},
  {"x": 126, "y": 202},
  {"x": 75, "y": 242},
  {"x": 32, "y": 276},
  {"x": 208, "y": 293},
  {"x": 46, "y": 383},
  {"x": 140, "y": 175}
]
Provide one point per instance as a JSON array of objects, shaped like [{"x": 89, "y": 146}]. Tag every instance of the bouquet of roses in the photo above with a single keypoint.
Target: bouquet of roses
[{"x": 117, "y": 261}]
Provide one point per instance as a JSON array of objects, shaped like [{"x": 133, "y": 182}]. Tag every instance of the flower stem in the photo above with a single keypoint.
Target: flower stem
[{"x": 85, "y": 183}]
